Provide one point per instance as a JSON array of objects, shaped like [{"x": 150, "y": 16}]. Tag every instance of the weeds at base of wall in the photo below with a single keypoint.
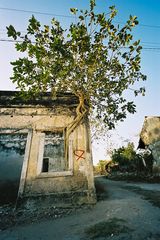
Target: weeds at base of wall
[
  {"x": 8, "y": 191},
  {"x": 10, "y": 217}
]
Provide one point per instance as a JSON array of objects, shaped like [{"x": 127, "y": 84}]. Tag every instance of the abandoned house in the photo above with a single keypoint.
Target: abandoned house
[
  {"x": 33, "y": 166},
  {"x": 150, "y": 138}
]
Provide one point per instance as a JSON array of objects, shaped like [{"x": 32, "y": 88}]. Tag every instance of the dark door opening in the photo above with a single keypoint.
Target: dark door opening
[{"x": 12, "y": 149}]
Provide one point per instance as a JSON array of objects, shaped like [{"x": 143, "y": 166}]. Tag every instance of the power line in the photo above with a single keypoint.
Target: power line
[
  {"x": 151, "y": 48},
  {"x": 143, "y": 43},
  {"x": 36, "y": 12},
  {"x": 156, "y": 43},
  {"x": 4, "y": 31},
  {"x": 9, "y": 40},
  {"x": 66, "y": 16},
  {"x": 20, "y": 41},
  {"x": 150, "y": 26},
  {"x": 142, "y": 25}
]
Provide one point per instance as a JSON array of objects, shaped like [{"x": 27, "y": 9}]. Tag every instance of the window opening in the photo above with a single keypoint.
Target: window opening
[
  {"x": 53, "y": 156},
  {"x": 45, "y": 167}
]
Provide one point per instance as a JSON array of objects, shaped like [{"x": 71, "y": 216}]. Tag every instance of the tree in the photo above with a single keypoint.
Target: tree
[
  {"x": 100, "y": 168},
  {"x": 126, "y": 157},
  {"x": 94, "y": 59},
  {"x": 130, "y": 160}
]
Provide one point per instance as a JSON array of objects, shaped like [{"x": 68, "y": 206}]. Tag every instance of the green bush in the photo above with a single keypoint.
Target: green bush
[{"x": 130, "y": 161}]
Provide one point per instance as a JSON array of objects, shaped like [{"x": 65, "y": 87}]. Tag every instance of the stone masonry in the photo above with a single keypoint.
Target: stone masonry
[{"x": 150, "y": 137}]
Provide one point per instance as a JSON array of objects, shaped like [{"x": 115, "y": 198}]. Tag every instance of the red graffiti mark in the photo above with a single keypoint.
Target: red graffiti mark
[{"x": 79, "y": 154}]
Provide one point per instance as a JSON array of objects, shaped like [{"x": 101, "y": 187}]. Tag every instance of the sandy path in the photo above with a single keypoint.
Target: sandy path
[{"x": 118, "y": 201}]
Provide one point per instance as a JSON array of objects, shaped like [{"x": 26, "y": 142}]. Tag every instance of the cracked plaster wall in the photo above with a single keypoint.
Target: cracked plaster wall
[{"x": 39, "y": 119}]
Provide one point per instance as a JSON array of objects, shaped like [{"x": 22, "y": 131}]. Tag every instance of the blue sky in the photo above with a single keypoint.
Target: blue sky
[{"x": 148, "y": 32}]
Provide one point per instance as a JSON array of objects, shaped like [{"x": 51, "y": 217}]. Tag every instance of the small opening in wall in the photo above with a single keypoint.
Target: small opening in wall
[
  {"x": 45, "y": 165},
  {"x": 54, "y": 152}
]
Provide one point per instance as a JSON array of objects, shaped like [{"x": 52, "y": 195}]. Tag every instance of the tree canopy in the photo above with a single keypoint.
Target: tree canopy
[
  {"x": 95, "y": 59},
  {"x": 129, "y": 159},
  {"x": 124, "y": 155}
]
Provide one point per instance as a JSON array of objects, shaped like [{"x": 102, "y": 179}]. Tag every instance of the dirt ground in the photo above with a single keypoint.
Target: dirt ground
[{"x": 124, "y": 211}]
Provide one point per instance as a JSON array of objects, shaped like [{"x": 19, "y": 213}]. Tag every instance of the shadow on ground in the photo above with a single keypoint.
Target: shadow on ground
[
  {"x": 101, "y": 191},
  {"x": 149, "y": 195}
]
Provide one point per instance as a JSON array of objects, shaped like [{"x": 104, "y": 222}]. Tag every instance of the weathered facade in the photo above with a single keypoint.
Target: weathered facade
[
  {"x": 150, "y": 138},
  {"x": 32, "y": 151}
]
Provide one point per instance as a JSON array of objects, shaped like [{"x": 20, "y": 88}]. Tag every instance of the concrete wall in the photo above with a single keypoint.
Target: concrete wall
[
  {"x": 71, "y": 184},
  {"x": 12, "y": 148}
]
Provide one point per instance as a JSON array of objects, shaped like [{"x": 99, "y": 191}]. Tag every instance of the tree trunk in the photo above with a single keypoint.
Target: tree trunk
[{"x": 81, "y": 110}]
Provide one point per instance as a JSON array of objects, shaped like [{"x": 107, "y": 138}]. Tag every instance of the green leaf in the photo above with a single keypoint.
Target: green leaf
[
  {"x": 46, "y": 28},
  {"x": 136, "y": 22},
  {"x": 73, "y": 10},
  {"x": 139, "y": 48},
  {"x": 92, "y": 4},
  {"x": 81, "y": 17},
  {"x": 12, "y": 32},
  {"x": 94, "y": 59}
]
